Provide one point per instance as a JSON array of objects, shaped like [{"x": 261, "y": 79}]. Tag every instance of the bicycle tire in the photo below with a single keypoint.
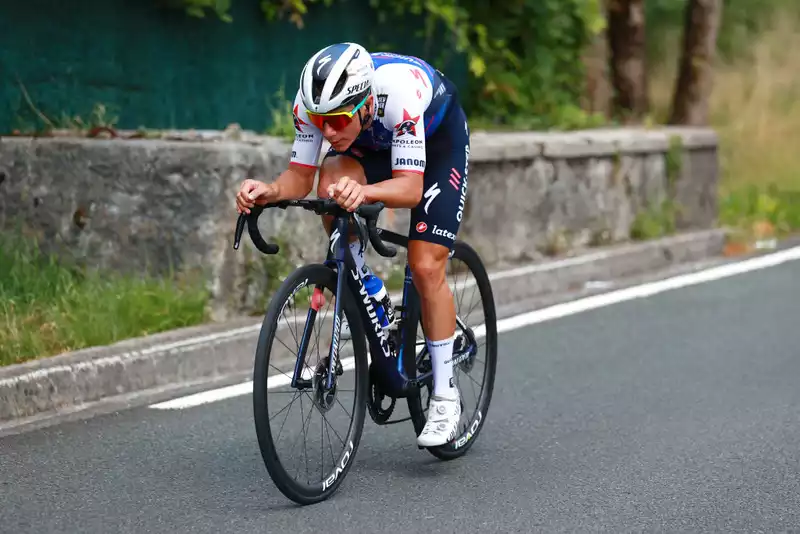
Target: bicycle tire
[
  {"x": 459, "y": 445},
  {"x": 301, "y": 493}
]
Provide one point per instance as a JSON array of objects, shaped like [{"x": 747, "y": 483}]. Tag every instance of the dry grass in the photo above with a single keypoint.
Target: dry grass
[{"x": 755, "y": 108}]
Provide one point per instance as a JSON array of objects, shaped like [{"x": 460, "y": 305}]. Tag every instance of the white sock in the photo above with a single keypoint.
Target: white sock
[
  {"x": 442, "y": 358},
  {"x": 358, "y": 256}
]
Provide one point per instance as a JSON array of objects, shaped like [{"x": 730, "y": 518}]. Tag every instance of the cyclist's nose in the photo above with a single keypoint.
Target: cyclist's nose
[{"x": 328, "y": 131}]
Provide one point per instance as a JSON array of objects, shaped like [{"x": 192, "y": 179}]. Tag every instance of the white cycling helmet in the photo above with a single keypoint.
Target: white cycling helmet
[{"x": 336, "y": 76}]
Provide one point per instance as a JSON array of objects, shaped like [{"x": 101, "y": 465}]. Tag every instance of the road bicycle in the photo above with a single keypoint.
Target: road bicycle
[{"x": 391, "y": 369}]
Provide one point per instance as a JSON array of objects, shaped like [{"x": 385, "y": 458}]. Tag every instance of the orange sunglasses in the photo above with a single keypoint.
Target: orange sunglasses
[{"x": 337, "y": 119}]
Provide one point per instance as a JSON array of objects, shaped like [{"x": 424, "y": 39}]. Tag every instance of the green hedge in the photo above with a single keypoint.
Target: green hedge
[{"x": 524, "y": 57}]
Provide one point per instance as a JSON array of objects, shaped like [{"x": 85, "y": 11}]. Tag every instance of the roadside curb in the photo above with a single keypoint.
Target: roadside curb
[{"x": 69, "y": 382}]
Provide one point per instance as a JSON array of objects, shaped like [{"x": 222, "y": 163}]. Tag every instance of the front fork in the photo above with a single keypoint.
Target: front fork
[{"x": 335, "y": 256}]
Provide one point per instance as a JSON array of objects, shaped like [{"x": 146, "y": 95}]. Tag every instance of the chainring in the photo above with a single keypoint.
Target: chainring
[{"x": 377, "y": 412}]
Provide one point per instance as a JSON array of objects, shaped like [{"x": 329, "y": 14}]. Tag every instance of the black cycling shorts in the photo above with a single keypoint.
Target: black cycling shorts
[{"x": 437, "y": 218}]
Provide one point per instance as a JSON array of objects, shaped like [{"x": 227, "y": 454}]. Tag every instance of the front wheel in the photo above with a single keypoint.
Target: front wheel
[
  {"x": 318, "y": 449},
  {"x": 474, "y": 350}
]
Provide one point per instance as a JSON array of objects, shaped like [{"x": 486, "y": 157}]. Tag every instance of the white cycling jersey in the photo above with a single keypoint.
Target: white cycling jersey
[{"x": 410, "y": 102}]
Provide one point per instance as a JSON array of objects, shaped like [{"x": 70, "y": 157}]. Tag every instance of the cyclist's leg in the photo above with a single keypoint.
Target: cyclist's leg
[{"x": 434, "y": 226}]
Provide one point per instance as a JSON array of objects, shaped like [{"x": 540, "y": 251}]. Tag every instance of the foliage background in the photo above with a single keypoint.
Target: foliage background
[{"x": 207, "y": 63}]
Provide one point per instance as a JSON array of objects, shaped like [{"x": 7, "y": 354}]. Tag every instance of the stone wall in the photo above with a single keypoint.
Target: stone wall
[
  {"x": 136, "y": 205},
  {"x": 535, "y": 193}
]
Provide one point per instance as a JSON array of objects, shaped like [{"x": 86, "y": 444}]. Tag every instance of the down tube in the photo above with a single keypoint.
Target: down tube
[
  {"x": 392, "y": 382},
  {"x": 339, "y": 244}
]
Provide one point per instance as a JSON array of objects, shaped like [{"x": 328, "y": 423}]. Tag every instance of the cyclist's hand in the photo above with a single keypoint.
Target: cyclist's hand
[
  {"x": 348, "y": 193},
  {"x": 253, "y": 192}
]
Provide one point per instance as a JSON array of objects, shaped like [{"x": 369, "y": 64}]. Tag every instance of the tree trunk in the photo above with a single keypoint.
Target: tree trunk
[
  {"x": 693, "y": 86},
  {"x": 598, "y": 91},
  {"x": 626, "y": 34}
]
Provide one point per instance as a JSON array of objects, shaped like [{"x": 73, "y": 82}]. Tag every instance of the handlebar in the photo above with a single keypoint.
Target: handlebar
[{"x": 369, "y": 212}]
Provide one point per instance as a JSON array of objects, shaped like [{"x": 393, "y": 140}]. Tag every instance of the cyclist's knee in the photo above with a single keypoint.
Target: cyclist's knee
[
  {"x": 428, "y": 262},
  {"x": 334, "y": 167}
]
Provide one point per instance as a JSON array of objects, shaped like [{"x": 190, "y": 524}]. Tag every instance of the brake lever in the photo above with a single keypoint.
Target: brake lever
[
  {"x": 387, "y": 251},
  {"x": 251, "y": 222},
  {"x": 363, "y": 234},
  {"x": 237, "y": 239}
]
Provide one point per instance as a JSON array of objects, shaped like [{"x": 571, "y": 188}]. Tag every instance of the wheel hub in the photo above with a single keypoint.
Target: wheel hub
[
  {"x": 325, "y": 398},
  {"x": 465, "y": 348}
]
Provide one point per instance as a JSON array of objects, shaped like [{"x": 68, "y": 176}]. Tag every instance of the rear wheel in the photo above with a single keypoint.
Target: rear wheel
[
  {"x": 335, "y": 415},
  {"x": 474, "y": 349}
]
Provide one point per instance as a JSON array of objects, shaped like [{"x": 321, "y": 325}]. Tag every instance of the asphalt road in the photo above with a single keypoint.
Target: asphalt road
[{"x": 677, "y": 412}]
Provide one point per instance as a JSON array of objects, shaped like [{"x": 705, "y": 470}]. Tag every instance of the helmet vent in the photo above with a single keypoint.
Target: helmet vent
[
  {"x": 340, "y": 84},
  {"x": 316, "y": 89}
]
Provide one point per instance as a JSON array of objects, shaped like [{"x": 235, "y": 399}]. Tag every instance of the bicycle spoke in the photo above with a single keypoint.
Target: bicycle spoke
[
  {"x": 473, "y": 306},
  {"x": 284, "y": 344},
  {"x": 305, "y": 449},
  {"x": 281, "y": 372},
  {"x": 343, "y": 408},
  {"x": 472, "y": 386},
  {"x": 463, "y": 293},
  {"x": 330, "y": 448},
  {"x": 297, "y": 394},
  {"x": 456, "y": 292},
  {"x": 283, "y": 314},
  {"x": 479, "y": 361},
  {"x": 298, "y": 335},
  {"x": 473, "y": 380},
  {"x": 459, "y": 300},
  {"x": 455, "y": 286},
  {"x": 328, "y": 424},
  {"x": 284, "y": 373}
]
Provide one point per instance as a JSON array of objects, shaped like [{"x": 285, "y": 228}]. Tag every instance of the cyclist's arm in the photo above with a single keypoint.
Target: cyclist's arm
[
  {"x": 297, "y": 181},
  {"x": 405, "y": 112},
  {"x": 404, "y": 190}
]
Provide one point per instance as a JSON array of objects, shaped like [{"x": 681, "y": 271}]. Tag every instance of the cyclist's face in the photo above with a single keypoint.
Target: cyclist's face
[{"x": 341, "y": 134}]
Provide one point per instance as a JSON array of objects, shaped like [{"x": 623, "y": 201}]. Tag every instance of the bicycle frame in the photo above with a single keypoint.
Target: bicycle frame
[
  {"x": 393, "y": 368},
  {"x": 394, "y": 379}
]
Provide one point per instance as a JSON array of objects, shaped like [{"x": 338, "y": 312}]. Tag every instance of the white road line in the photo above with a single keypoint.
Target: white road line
[
  {"x": 534, "y": 317},
  {"x": 236, "y": 390}
]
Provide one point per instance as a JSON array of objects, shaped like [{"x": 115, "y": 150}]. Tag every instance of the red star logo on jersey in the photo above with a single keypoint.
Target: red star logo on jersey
[
  {"x": 297, "y": 120},
  {"x": 407, "y": 125}
]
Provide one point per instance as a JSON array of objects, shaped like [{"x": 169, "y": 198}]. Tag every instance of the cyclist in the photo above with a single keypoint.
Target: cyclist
[{"x": 397, "y": 135}]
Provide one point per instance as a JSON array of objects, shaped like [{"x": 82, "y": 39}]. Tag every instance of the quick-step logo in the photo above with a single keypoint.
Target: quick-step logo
[{"x": 463, "y": 199}]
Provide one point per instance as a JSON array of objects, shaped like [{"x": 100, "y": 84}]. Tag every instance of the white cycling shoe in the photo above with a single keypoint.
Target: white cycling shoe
[{"x": 442, "y": 424}]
